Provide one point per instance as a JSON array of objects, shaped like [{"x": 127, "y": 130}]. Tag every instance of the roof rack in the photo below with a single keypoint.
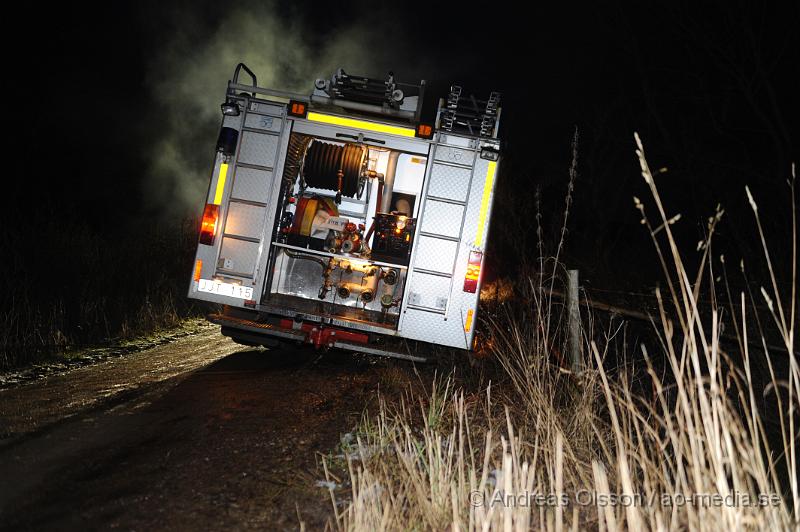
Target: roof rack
[
  {"x": 373, "y": 95},
  {"x": 386, "y": 97}
]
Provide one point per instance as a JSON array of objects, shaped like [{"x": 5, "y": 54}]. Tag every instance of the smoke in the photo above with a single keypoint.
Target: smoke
[{"x": 189, "y": 74}]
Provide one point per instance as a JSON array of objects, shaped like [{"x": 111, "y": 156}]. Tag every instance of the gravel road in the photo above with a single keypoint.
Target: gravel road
[{"x": 200, "y": 433}]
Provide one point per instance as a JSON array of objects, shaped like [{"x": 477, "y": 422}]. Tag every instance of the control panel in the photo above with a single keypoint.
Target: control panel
[{"x": 394, "y": 235}]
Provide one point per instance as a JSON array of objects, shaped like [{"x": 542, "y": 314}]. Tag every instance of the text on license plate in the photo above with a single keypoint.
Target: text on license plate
[{"x": 225, "y": 289}]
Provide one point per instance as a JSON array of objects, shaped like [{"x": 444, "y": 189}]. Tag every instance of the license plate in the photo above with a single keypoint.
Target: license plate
[{"x": 225, "y": 289}]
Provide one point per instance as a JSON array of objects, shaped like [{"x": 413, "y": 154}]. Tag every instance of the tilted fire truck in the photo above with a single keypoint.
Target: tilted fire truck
[{"x": 341, "y": 220}]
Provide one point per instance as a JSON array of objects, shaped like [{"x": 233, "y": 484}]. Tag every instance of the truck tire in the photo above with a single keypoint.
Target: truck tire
[{"x": 251, "y": 340}]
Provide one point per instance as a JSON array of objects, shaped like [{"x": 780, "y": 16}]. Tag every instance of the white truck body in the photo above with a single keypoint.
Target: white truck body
[{"x": 264, "y": 260}]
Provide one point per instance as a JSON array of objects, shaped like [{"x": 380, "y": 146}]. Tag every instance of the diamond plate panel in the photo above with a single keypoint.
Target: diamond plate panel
[
  {"x": 454, "y": 155},
  {"x": 449, "y": 182},
  {"x": 251, "y": 184},
  {"x": 455, "y": 140},
  {"x": 238, "y": 257},
  {"x": 474, "y": 203},
  {"x": 245, "y": 220},
  {"x": 442, "y": 218},
  {"x": 264, "y": 122},
  {"x": 232, "y": 121},
  {"x": 430, "y": 291},
  {"x": 444, "y": 329},
  {"x": 433, "y": 327},
  {"x": 435, "y": 254},
  {"x": 267, "y": 108},
  {"x": 258, "y": 148}
]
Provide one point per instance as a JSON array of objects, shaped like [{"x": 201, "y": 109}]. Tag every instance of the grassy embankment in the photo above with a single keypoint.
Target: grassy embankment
[
  {"x": 64, "y": 286},
  {"x": 681, "y": 433}
]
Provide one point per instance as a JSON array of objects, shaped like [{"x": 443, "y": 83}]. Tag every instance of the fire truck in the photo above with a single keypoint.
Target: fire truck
[{"x": 340, "y": 219}]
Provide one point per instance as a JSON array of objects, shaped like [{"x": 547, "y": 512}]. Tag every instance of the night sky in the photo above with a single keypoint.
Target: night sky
[{"x": 116, "y": 106}]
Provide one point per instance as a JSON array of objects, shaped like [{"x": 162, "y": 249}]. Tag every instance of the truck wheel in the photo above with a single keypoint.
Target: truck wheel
[
  {"x": 251, "y": 340},
  {"x": 242, "y": 341}
]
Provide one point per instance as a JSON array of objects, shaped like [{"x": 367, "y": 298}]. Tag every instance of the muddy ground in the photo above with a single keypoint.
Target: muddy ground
[{"x": 201, "y": 433}]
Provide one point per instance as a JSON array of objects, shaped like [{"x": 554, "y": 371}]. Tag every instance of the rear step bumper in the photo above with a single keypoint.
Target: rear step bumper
[{"x": 318, "y": 335}]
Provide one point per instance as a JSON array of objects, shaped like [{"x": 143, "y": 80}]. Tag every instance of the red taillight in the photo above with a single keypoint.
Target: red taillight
[
  {"x": 424, "y": 131},
  {"x": 298, "y": 109},
  {"x": 473, "y": 272},
  {"x": 208, "y": 228}
]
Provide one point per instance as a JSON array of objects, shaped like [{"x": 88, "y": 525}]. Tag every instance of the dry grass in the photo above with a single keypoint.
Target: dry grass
[
  {"x": 550, "y": 450},
  {"x": 65, "y": 286}
]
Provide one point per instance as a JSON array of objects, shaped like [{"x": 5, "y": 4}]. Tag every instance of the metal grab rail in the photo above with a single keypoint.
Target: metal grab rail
[
  {"x": 235, "y": 81},
  {"x": 241, "y": 66}
]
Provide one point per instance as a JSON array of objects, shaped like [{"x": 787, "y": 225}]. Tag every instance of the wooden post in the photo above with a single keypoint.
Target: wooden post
[{"x": 574, "y": 321}]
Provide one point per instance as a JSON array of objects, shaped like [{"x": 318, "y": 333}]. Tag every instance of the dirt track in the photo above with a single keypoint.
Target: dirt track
[{"x": 201, "y": 433}]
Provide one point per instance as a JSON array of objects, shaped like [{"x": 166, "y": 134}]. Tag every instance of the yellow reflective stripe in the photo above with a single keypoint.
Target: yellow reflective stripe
[
  {"x": 360, "y": 124},
  {"x": 468, "y": 322},
  {"x": 223, "y": 174},
  {"x": 487, "y": 192}
]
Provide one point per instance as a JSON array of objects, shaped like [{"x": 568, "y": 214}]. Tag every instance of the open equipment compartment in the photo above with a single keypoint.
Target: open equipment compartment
[{"x": 344, "y": 237}]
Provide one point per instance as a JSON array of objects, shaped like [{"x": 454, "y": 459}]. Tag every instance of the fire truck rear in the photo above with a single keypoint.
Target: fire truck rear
[{"x": 341, "y": 220}]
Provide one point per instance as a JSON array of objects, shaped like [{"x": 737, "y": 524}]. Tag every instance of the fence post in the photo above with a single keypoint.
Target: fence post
[{"x": 574, "y": 321}]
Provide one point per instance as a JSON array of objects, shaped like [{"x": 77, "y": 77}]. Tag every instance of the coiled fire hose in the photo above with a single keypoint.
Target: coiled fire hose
[{"x": 332, "y": 167}]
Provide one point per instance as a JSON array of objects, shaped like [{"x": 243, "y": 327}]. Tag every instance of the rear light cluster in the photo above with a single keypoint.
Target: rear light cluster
[
  {"x": 424, "y": 131},
  {"x": 208, "y": 227},
  {"x": 473, "y": 272}
]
